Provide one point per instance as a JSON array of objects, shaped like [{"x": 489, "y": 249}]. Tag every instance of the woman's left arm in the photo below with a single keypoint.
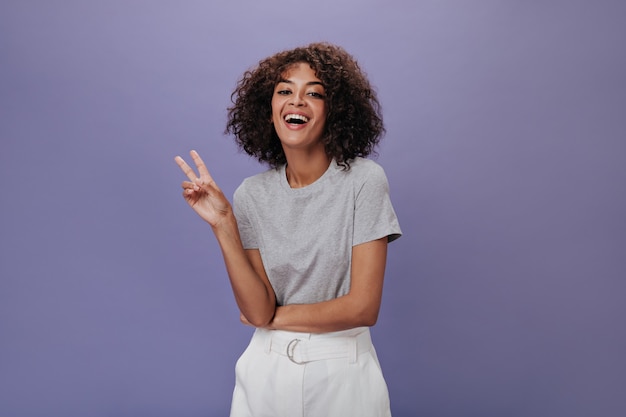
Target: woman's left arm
[{"x": 359, "y": 307}]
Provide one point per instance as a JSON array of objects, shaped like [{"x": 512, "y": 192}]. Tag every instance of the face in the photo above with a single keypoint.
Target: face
[{"x": 299, "y": 109}]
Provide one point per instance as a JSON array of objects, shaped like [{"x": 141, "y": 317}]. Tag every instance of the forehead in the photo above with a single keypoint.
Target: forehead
[{"x": 301, "y": 70}]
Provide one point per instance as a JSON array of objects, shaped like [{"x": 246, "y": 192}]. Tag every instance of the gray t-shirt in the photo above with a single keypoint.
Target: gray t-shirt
[{"x": 305, "y": 235}]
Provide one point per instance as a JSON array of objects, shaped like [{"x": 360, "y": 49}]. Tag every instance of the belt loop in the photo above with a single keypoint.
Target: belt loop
[
  {"x": 353, "y": 349},
  {"x": 268, "y": 340}
]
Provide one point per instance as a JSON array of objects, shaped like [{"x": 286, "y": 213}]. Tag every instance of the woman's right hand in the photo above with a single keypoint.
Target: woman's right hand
[{"x": 202, "y": 193}]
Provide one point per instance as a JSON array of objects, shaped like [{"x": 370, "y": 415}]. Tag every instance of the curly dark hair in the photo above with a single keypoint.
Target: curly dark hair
[{"x": 354, "y": 124}]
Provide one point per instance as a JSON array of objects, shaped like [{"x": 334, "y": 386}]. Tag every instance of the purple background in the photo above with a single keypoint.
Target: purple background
[{"x": 506, "y": 155}]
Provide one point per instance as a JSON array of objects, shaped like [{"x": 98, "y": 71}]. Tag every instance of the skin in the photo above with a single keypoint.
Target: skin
[
  {"x": 299, "y": 92},
  {"x": 253, "y": 292}
]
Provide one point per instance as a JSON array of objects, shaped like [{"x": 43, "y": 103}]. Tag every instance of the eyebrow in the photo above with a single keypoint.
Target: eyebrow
[{"x": 282, "y": 80}]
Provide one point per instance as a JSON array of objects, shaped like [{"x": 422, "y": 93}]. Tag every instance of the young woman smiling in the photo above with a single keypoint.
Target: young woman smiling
[{"x": 304, "y": 242}]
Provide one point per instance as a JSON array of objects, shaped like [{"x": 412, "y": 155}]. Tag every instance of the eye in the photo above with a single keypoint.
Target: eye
[
  {"x": 316, "y": 94},
  {"x": 283, "y": 92}
]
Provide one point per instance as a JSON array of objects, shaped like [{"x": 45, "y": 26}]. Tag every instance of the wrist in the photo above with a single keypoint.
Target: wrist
[
  {"x": 277, "y": 322},
  {"x": 227, "y": 223},
  {"x": 227, "y": 233}
]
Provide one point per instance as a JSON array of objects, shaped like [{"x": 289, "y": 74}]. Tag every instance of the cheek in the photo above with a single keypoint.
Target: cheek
[
  {"x": 274, "y": 110},
  {"x": 276, "y": 105},
  {"x": 322, "y": 109},
  {"x": 323, "y": 113}
]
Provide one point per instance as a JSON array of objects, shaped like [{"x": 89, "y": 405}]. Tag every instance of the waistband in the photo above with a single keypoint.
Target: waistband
[{"x": 301, "y": 348}]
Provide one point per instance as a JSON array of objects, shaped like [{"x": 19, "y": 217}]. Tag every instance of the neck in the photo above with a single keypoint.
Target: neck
[{"x": 303, "y": 170}]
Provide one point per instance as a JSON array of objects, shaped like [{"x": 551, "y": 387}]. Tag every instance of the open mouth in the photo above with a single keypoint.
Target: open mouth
[{"x": 296, "y": 119}]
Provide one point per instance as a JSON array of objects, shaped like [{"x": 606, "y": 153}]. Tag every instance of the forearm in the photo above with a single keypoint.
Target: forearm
[
  {"x": 254, "y": 296},
  {"x": 253, "y": 292},
  {"x": 341, "y": 313}
]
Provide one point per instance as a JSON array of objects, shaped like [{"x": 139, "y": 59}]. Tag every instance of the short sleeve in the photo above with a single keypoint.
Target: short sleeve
[
  {"x": 242, "y": 214},
  {"x": 374, "y": 216}
]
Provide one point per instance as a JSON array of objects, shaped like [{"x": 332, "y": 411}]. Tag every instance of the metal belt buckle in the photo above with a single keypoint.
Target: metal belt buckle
[{"x": 291, "y": 347}]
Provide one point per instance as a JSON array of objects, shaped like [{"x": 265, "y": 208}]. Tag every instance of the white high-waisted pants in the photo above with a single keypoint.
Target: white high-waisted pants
[{"x": 290, "y": 374}]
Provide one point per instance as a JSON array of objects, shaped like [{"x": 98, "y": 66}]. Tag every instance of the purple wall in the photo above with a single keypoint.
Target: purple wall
[{"x": 506, "y": 155}]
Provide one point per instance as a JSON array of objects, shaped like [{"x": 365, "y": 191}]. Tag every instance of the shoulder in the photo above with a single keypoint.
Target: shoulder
[
  {"x": 262, "y": 178},
  {"x": 364, "y": 170},
  {"x": 368, "y": 178},
  {"x": 257, "y": 183},
  {"x": 363, "y": 166}
]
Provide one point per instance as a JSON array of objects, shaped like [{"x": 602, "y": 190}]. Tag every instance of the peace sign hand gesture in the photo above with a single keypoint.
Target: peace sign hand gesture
[{"x": 202, "y": 193}]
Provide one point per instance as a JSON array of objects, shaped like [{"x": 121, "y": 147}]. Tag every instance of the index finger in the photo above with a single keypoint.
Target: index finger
[{"x": 186, "y": 168}]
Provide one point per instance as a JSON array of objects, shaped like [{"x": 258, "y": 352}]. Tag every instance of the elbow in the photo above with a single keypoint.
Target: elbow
[
  {"x": 369, "y": 319},
  {"x": 258, "y": 320},
  {"x": 364, "y": 312},
  {"x": 367, "y": 316}
]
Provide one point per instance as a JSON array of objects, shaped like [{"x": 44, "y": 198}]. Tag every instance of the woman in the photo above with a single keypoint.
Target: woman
[{"x": 305, "y": 242}]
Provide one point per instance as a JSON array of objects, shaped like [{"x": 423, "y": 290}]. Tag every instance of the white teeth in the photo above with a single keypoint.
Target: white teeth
[{"x": 291, "y": 117}]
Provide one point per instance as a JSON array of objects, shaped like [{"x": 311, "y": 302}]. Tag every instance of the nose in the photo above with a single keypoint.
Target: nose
[{"x": 297, "y": 100}]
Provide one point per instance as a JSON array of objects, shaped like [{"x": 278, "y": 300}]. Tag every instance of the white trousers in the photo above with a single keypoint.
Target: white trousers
[{"x": 290, "y": 374}]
